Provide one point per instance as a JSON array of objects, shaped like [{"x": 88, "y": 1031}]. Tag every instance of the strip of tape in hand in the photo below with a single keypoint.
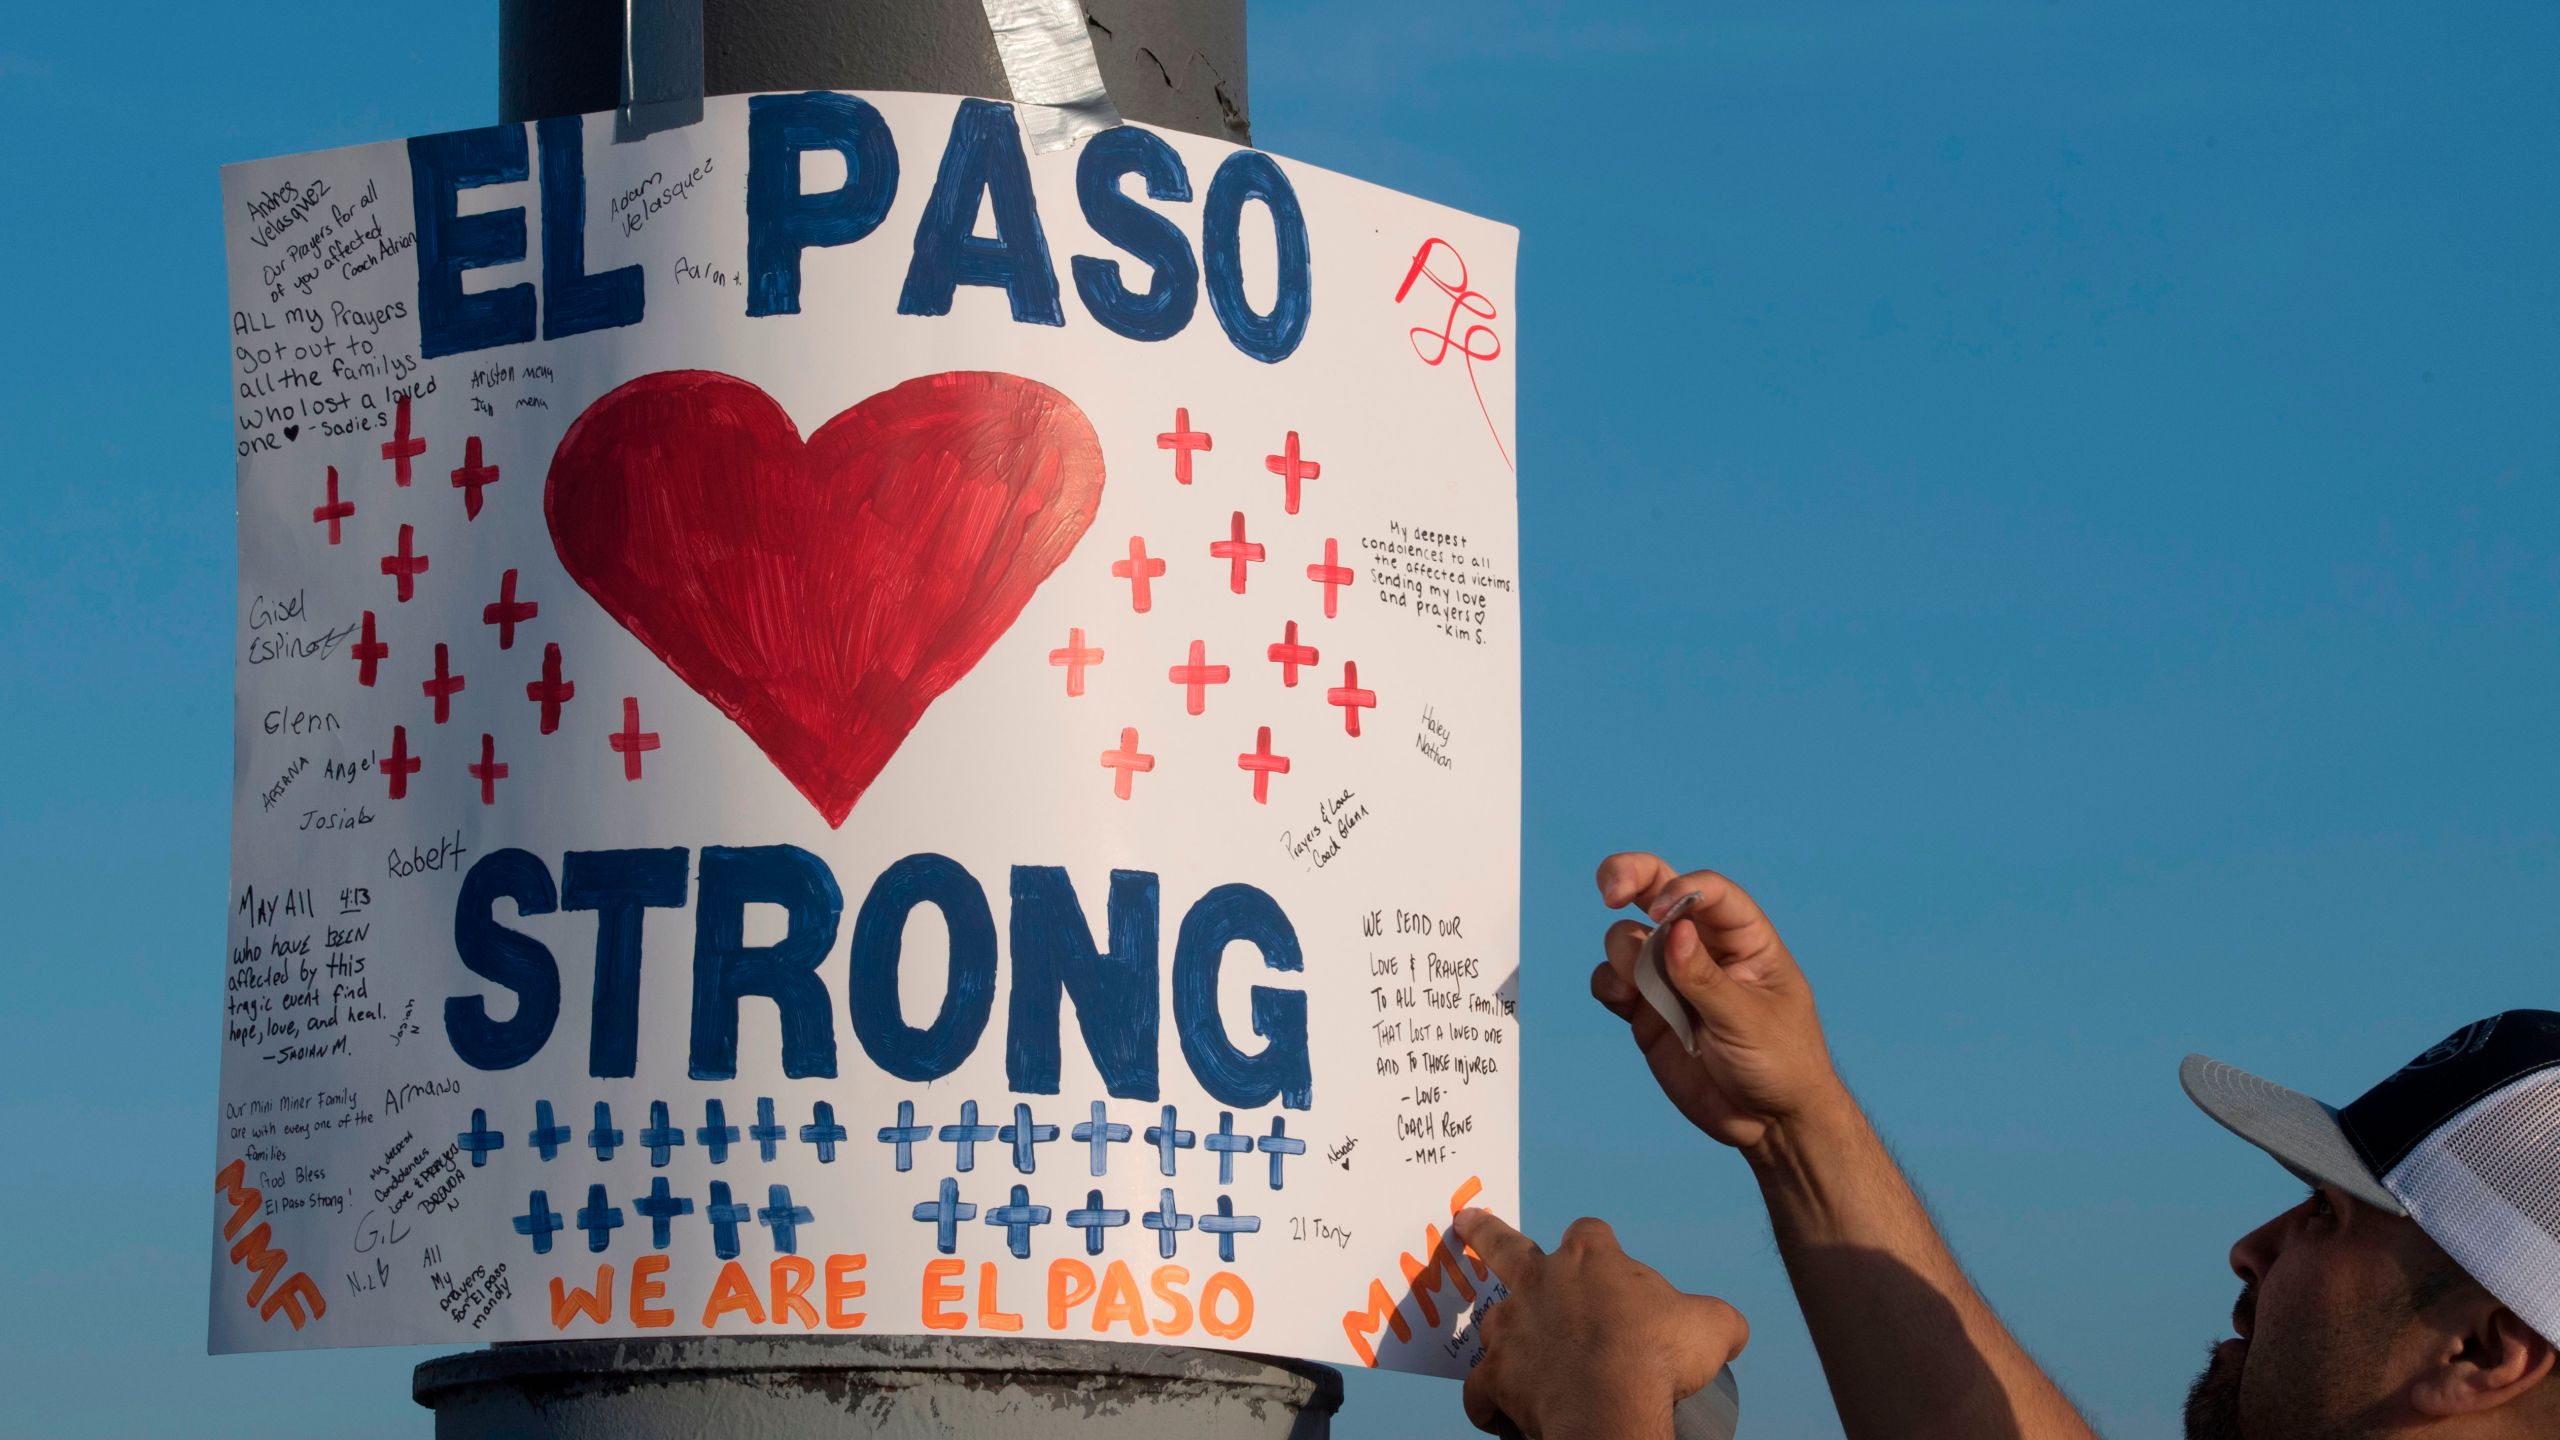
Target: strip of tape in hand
[
  {"x": 1048, "y": 58},
  {"x": 1656, "y": 986}
]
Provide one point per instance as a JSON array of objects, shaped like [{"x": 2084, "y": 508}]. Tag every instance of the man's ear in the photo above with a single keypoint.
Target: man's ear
[{"x": 2495, "y": 1359}]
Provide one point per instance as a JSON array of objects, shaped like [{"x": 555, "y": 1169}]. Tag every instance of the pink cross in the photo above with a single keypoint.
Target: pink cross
[
  {"x": 1138, "y": 569},
  {"x": 471, "y": 477},
  {"x": 400, "y": 764},
  {"x": 1351, "y": 697},
  {"x": 1264, "y": 765},
  {"x": 550, "y": 692},
  {"x": 507, "y": 612},
  {"x": 1182, "y": 440},
  {"x": 1194, "y": 676},
  {"x": 631, "y": 741},
  {"x": 336, "y": 510},
  {"x": 1288, "y": 654},
  {"x": 404, "y": 567},
  {"x": 442, "y": 688},
  {"x": 368, "y": 651},
  {"x": 1125, "y": 760},
  {"x": 1075, "y": 657},
  {"x": 1332, "y": 574},
  {"x": 1236, "y": 551},
  {"x": 400, "y": 449},
  {"x": 488, "y": 772},
  {"x": 1291, "y": 470}
]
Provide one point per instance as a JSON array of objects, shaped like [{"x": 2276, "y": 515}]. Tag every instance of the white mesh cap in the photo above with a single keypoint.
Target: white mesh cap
[{"x": 2486, "y": 1186}]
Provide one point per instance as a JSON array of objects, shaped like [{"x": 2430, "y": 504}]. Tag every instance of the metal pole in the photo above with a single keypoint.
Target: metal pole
[{"x": 1179, "y": 64}]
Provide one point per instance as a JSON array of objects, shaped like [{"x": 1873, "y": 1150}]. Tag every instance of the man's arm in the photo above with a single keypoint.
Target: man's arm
[{"x": 1909, "y": 1346}]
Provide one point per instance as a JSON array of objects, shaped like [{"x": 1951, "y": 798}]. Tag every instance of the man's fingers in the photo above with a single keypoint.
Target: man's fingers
[
  {"x": 1613, "y": 991},
  {"x": 1630, "y": 877},
  {"x": 1587, "y": 1233},
  {"x": 1513, "y": 1256},
  {"x": 1720, "y": 1330},
  {"x": 1692, "y": 968},
  {"x": 1483, "y": 1411}
]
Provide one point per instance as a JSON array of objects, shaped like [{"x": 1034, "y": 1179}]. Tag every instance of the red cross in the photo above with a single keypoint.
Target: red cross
[
  {"x": 1138, "y": 569},
  {"x": 1291, "y": 470},
  {"x": 1351, "y": 697},
  {"x": 405, "y": 567},
  {"x": 1264, "y": 765},
  {"x": 1332, "y": 574},
  {"x": 1182, "y": 440},
  {"x": 335, "y": 511},
  {"x": 508, "y": 611},
  {"x": 1125, "y": 760},
  {"x": 368, "y": 651},
  {"x": 1075, "y": 657},
  {"x": 471, "y": 477},
  {"x": 441, "y": 689},
  {"x": 400, "y": 764},
  {"x": 550, "y": 692},
  {"x": 631, "y": 741},
  {"x": 1236, "y": 551},
  {"x": 1194, "y": 676},
  {"x": 488, "y": 772},
  {"x": 1288, "y": 654},
  {"x": 400, "y": 449}
]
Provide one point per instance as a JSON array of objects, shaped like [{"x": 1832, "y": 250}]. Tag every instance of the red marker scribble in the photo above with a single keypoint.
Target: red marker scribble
[{"x": 1469, "y": 307}]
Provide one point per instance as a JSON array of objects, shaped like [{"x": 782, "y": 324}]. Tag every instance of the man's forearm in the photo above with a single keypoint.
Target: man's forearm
[{"x": 1910, "y": 1347}]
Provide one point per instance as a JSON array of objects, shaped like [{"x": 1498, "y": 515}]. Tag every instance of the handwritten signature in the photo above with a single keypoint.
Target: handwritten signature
[{"x": 1468, "y": 306}]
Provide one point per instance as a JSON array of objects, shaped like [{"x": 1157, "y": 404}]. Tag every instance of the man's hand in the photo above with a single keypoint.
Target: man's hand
[
  {"x": 1589, "y": 1343},
  {"x": 1761, "y": 1060}
]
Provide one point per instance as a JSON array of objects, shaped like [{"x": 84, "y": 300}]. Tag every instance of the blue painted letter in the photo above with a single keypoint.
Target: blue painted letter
[
  {"x": 441, "y": 167},
  {"x": 1115, "y": 993},
  {"x": 573, "y": 301},
  {"x": 969, "y": 996},
  {"x": 982, "y": 158},
  {"x": 1252, "y": 175},
  {"x": 1164, "y": 307},
  {"x": 618, "y": 885},
  {"x": 513, "y": 959},
  {"x": 782, "y": 222},
  {"x": 1226, "y": 914},
  {"x": 726, "y": 968}
]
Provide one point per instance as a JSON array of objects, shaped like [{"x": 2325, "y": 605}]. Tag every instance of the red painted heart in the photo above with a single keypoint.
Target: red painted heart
[{"x": 822, "y": 594}]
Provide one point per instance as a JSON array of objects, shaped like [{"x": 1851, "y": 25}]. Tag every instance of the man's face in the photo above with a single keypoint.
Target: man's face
[{"x": 2326, "y": 1327}]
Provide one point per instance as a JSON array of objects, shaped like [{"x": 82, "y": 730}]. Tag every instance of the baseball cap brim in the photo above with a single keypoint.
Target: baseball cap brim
[{"x": 2301, "y": 1133}]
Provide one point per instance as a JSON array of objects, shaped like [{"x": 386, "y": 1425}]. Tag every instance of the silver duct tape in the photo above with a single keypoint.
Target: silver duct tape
[
  {"x": 661, "y": 67},
  {"x": 1048, "y": 58}
]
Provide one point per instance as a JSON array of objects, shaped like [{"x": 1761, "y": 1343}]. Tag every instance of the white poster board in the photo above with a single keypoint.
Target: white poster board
[{"x": 843, "y": 728}]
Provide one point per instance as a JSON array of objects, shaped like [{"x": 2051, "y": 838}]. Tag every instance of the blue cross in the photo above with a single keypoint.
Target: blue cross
[
  {"x": 1093, "y": 1220},
  {"x": 725, "y": 1219},
  {"x": 600, "y": 1220},
  {"x": 1017, "y": 1219},
  {"x": 604, "y": 1137},
  {"x": 946, "y": 1213},
  {"x": 540, "y": 1222},
  {"x": 1167, "y": 1222},
  {"x": 1022, "y": 1135},
  {"x": 823, "y": 1132},
  {"x": 661, "y": 1207},
  {"x": 905, "y": 1134},
  {"x": 966, "y": 1136},
  {"x": 480, "y": 1139},
  {"x": 1279, "y": 1147},
  {"x": 716, "y": 1134},
  {"x": 1226, "y": 1225},
  {"x": 765, "y": 1132},
  {"x": 1227, "y": 1145},
  {"x": 546, "y": 1136},
  {"x": 1166, "y": 1139},
  {"x": 1099, "y": 1132},
  {"x": 661, "y": 1136},
  {"x": 785, "y": 1218}
]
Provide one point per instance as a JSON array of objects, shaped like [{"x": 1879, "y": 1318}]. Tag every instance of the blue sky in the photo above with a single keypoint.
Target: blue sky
[{"x": 2060, "y": 498}]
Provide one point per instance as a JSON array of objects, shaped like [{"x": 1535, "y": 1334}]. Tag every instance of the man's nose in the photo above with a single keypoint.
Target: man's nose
[{"x": 2252, "y": 1253}]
